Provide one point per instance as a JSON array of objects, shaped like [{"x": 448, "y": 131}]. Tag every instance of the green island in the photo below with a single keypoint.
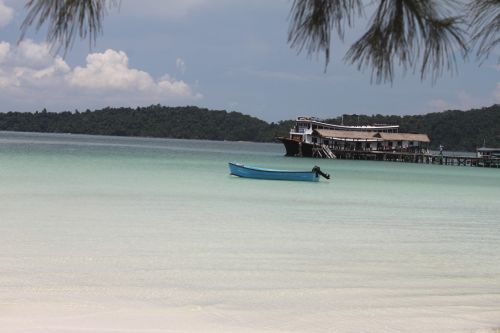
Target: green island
[{"x": 456, "y": 130}]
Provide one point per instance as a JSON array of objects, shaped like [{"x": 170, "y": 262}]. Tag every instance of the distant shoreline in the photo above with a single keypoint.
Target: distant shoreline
[
  {"x": 445, "y": 153},
  {"x": 456, "y": 130}
]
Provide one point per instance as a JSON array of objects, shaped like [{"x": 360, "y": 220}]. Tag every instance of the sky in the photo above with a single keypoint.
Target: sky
[{"x": 220, "y": 54}]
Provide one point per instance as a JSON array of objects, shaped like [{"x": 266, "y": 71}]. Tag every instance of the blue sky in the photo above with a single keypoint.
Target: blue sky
[{"x": 219, "y": 54}]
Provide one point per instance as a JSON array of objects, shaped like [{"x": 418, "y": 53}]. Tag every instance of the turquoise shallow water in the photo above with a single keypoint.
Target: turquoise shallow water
[{"x": 144, "y": 235}]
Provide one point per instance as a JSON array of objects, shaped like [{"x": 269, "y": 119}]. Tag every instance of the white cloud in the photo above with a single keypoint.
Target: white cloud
[
  {"x": 181, "y": 65},
  {"x": 29, "y": 73},
  {"x": 496, "y": 93},
  {"x": 6, "y": 14},
  {"x": 4, "y": 51},
  {"x": 463, "y": 101},
  {"x": 438, "y": 105},
  {"x": 34, "y": 54},
  {"x": 110, "y": 71},
  {"x": 466, "y": 101},
  {"x": 233, "y": 106},
  {"x": 29, "y": 66}
]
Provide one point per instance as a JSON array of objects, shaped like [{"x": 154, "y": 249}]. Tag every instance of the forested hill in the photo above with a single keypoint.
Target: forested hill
[
  {"x": 188, "y": 122},
  {"x": 456, "y": 130}
]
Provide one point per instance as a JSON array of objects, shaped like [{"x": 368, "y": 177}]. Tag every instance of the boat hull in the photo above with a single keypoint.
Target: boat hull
[
  {"x": 297, "y": 148},
  {"x": 241, "y": 170}
]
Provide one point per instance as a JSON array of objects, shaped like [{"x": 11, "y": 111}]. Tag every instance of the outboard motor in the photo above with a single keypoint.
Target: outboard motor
[{"x": 319, "y": 172}]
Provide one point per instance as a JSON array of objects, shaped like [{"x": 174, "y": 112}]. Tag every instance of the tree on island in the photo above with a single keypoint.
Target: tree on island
[{"x": 422, "y": 35}]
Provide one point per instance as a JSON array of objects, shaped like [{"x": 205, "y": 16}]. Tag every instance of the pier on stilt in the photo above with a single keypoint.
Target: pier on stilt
[{"x": 424, "y": 158}]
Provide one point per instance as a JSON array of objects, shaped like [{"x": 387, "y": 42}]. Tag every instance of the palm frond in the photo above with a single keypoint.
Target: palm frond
[
  {"x": 441, "y": 45},
  {"x": 66, "y": 19},
  {"x": 485, "y": 25},
  {"x": 402, "y": 31},
  {"x": 313, "y": 20}
]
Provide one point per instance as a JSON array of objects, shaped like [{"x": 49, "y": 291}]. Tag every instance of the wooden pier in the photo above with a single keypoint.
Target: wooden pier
[{"x": 424, "y": 158}]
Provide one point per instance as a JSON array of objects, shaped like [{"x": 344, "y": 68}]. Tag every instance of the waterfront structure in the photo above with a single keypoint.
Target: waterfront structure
[
  {"x": 311, "y": 137},
  {"x": 488, "y": 157},
  {"x": 485, "y": 152}
]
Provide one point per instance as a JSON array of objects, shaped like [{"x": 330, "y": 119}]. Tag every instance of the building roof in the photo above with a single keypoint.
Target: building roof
[
  {"x": 347, "y": 135},
  {"x": 368, "y": 128},
  {"x": 370, "y": 136},
  {"x": 403, "y": 137},
  {"x": 485, "y": 149}
]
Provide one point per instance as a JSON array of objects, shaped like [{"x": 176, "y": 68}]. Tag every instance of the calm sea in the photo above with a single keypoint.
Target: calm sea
[{"x": 110, "y": 234}]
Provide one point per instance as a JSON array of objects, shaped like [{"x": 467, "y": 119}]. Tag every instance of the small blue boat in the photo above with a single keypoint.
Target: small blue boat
[{"x": 241, "y": 170}]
